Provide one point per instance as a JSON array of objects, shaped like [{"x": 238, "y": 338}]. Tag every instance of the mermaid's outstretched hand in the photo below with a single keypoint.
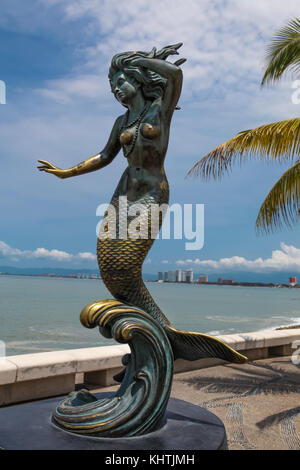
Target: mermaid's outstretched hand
[{"x": 49, "y": 168}]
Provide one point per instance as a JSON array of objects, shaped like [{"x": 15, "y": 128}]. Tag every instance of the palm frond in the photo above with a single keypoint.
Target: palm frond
[
  {"x": 275, "y": 141},
  {"x": 281, "y": 206},
  {"x": 283, "y": 52}
]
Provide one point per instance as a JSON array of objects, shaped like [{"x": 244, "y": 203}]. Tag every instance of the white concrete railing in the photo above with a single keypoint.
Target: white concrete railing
[{"x": 34, "y": 376}]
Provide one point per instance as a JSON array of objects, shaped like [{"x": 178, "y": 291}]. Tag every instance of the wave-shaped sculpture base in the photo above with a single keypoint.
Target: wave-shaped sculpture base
[{"x": 140, "y": 403}]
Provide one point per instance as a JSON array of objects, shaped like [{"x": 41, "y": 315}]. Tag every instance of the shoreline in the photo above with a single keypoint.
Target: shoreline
[
  {"x": 235, "y": 284},
  {"x": 40, "y": 348},
  {"x": 85, "y": 277},
  {"x": 290, "y": 327}
]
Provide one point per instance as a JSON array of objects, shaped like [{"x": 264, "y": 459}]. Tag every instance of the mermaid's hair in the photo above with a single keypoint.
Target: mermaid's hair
[{"x": 152, "y": 84}]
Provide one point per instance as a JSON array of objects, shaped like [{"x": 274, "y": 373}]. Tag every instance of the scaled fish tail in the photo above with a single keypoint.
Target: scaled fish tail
[{"x": 192, "y": 346}]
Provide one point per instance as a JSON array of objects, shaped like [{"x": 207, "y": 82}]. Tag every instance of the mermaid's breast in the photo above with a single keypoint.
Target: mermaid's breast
[
  {"x": 149, "y": 131},
  {"x": 126, "y": 137}
]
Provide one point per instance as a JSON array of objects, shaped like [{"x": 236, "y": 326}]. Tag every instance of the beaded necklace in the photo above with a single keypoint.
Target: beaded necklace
[{"x": 136, "y": 122}]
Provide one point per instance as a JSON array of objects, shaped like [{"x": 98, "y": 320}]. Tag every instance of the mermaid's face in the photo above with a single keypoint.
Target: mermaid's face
[{"x": 123, "y": 88}]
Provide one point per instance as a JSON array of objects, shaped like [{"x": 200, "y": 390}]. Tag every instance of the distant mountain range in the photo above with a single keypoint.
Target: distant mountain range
[
  {"x": 57, "y": 271},
  {"x": 272, "y": 277},
  {"x": 275, "y": 277},
  {"x": 39, "y": 271}
]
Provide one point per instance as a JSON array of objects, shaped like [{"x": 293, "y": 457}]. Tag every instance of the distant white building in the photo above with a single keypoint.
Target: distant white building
[
  {"x": 203, "y": 279},
  {"x": 189, "y": 275},
  {"x": 177, "y": 276},
  {"x": 171, "y": 276}
]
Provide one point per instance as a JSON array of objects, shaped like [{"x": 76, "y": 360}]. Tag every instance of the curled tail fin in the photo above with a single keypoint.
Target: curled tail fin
[{"x": 193, "y": 346}]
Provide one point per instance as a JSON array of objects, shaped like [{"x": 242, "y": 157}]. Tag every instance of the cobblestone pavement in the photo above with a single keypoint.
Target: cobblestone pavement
[{"x": 259, "y": 403}]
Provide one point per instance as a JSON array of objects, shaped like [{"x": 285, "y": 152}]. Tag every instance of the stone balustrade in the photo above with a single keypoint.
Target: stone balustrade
[{"x": 34, "y": 376}]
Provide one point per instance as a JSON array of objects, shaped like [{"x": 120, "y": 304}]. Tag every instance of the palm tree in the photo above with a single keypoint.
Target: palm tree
[{"x": 276, "y": 141}]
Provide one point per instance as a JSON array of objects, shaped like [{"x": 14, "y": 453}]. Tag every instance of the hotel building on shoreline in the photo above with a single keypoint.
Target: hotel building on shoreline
[{"x": 177, "y": 276}]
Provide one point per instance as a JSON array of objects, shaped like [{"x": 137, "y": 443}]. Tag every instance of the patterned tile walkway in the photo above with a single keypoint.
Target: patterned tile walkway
[{"x": 259, "y": 403}]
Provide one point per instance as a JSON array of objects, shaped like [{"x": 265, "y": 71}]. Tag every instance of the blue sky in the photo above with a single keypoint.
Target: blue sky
[{"x": 54, "y": 59}]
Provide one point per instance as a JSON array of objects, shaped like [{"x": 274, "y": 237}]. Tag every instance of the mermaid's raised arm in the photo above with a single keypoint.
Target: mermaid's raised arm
[
  {"x": 96, "y": 162},
  {"x": 156, "y": 61}
]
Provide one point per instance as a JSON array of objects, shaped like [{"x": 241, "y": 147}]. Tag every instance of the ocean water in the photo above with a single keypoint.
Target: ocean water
[{"x": 42, "y": 314}]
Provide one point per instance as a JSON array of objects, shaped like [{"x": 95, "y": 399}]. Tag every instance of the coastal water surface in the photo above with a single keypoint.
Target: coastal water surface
[{"x": 42, "y": 314}]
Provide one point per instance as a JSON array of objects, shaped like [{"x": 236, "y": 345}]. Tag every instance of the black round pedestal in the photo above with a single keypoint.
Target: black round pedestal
[{"x": 187, "y": 427}]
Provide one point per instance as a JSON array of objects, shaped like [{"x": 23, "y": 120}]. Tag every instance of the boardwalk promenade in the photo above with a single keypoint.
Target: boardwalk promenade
[{"x": 257, "y": 402}]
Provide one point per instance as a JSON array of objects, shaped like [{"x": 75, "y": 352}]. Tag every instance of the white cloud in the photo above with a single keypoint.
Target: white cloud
[
  {"x": 7, "y": 251},
  {"x": 224, "y": 41},
  {"x": 87, "y": 256},
  {"x": 84, "y": 86},
  {"x": 56, "y": 255},
  {"x": 286, "y": 259},
  {"x": 42, "y": 253}
]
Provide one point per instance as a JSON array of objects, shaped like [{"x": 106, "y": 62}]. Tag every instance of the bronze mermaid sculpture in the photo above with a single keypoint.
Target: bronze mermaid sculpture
[{"x": 149, "y": 87}]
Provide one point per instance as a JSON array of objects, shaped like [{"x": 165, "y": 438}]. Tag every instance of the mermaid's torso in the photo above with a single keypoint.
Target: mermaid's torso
[{"x": 145, "y": 147}]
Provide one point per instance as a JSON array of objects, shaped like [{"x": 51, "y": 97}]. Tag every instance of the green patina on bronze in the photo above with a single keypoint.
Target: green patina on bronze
[
  {"x": 149, "y": 87},
  {"x": 139, "y": 405}
]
